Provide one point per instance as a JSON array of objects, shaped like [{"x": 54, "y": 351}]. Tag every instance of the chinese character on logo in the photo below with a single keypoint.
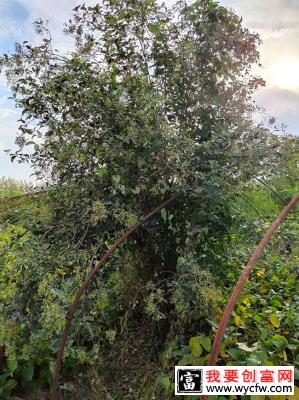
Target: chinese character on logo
[
  {"x": 249, "y": 376},
  {"x": 230, "y": 375},
  {"x": 267, "y": 376},
  {"x": 213, "y": 376},
  {"x": 285, "y": 375},
  {"x": 189, "y": 380}
]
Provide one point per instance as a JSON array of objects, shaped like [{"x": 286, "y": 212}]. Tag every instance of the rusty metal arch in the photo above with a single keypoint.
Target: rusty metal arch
[{"x": 243, "y": 279}]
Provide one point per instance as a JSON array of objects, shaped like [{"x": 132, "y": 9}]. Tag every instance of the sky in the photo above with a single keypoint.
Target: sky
[{"x": 277, "y": 22}]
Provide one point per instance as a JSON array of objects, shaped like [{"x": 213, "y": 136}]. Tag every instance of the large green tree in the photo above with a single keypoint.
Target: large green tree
[{"x": 150, "y": 101}]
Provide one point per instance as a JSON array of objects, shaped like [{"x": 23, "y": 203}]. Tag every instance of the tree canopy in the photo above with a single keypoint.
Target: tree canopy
[{"x": 149, "y": 102}]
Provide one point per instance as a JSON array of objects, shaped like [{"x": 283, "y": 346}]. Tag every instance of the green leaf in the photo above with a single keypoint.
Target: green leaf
[
  {"x": 28, "y": 372},
  {"x": 10, "y": 385},
  {"x": 187, "y": 359},
  {"x": 154, "y": 28},
  {"x": 238, "y": 321},
  {"x": 234, "y": 353},
  {"x": 253, "y": 361},
  {"x": 212, "y": 323},
  {"x": 280, "y": 342},
  {"x": 274, "y": 321},
  {"x": 164, "y": 382},
  {"x": 276, "y": 303},
  {"x": 200, "y": 360},
  {"x": 101, "y": 171},
  {"x": 205, "y": 341},
  {"x": 12, "y": 366},
  {"x": 136, "y": 190},
  {"x": 212, "y": 5},
  {"x": 123, "y": 189},
  {"x": 164, "y": 214},
  {"x": 195, "y": 346}
]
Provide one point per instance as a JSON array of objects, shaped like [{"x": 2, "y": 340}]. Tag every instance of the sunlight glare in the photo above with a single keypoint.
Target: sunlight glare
[{"x": 286, "y": 74}]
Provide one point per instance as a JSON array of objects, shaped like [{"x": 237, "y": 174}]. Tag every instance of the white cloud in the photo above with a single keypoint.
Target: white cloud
[
  {"x": 12, "y": 30},
  {"x": 283, "y": 102},
  {"x": 7, "y": 27},
  {"x": 275, "y": 14},
  {"x": 8, "y": 128},
  {"x": 277, "y": 22}
]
